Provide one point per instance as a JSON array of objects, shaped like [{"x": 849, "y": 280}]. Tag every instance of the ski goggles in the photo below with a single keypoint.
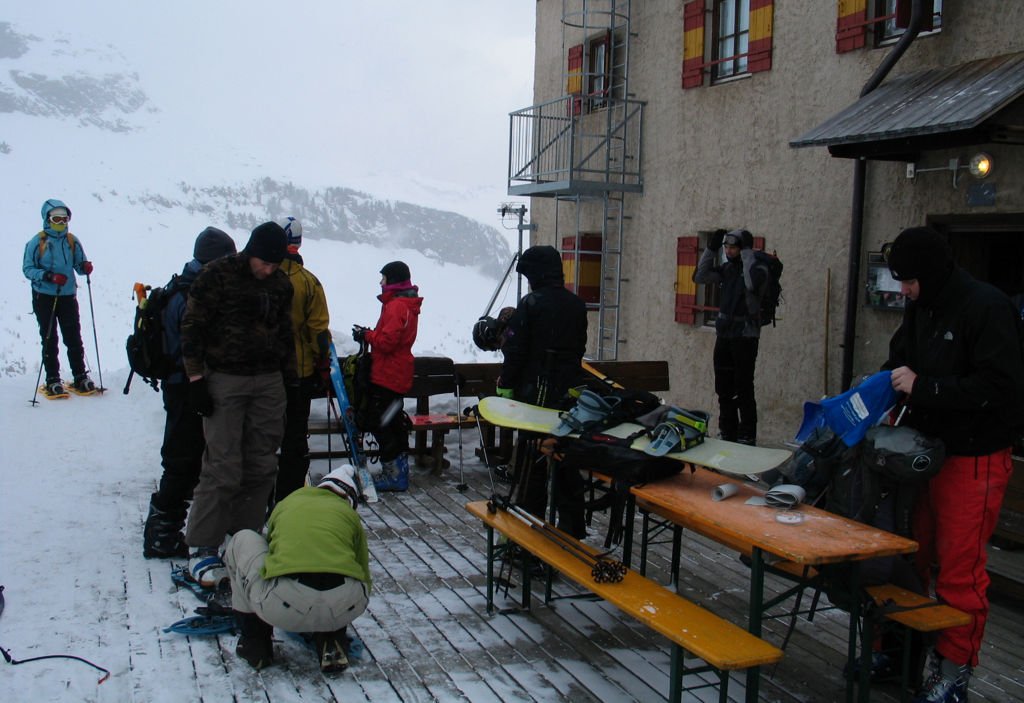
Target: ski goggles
[{"x": 60, "y": 219}]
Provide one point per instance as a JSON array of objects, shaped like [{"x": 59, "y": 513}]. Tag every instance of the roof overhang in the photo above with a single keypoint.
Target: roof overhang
[{"x": 972, "y": 103}]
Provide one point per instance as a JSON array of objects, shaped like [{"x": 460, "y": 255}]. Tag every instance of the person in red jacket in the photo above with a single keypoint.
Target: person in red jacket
[{"x": 391, "y": 372}]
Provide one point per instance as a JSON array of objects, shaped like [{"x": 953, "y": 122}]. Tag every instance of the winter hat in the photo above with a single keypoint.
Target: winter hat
[
  {"x": 396, "y": 272},
  {"x": 923, "y": 254},
  {"x": 343, "y": 482},
  {"x": 50, "y": 206},
  {"x": 268, "y": 242},
  {"x": 739, "y": 238},
  {"x": 292, "y": 229},
  {"x": 211, "y": 244},
  {"x": 541, "y": 264}
]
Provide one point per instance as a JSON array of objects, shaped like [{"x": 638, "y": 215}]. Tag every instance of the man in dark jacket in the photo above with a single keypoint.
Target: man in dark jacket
[
  {"x": 239, "y": 357},
  {"x": 957, "y": 357},
  {"x": 544, "y": 344},
  {"x": 738, "y": 329},
  {"x": 182, "y": 450}
]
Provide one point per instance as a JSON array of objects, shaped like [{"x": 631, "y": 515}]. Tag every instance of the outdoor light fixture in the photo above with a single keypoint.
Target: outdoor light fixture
[{"x": 979, "y": 166}]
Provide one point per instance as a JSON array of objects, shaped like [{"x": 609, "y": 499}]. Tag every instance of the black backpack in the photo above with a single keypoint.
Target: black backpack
[
  {"x": 876, "y": 482},
  {"x": 147, "y": 356},
  {"x": 772, "y": 293}
]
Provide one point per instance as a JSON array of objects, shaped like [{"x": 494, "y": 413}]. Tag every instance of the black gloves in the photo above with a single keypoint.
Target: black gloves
[
  {"x": 715, "y": 240},
  {"x": 358, "y": 334},
  {"x": 199, "y": 397}
]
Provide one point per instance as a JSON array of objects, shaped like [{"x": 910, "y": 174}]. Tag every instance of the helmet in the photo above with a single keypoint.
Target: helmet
[
  {"x": 293, "y": 229},
  {"x": 485, "y": 334}
]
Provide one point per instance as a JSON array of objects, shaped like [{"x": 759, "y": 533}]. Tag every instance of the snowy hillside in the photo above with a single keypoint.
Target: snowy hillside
[{"x": 135, "y": 137}]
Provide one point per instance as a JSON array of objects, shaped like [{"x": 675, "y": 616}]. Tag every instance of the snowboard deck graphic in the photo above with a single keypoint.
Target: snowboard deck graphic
[
  {"x": 727, "y": 457},
  {"x": 351, "y": 431}
]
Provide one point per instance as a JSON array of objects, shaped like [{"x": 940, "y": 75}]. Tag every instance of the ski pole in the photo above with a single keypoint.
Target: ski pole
[
  {"x": 95, "y": 341},
  {"x": 46, "y": 343},
  {"x": 458, "y": 406}
]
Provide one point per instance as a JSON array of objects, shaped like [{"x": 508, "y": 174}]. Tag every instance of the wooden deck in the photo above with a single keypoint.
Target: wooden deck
[{"x": 427, "y": 636}]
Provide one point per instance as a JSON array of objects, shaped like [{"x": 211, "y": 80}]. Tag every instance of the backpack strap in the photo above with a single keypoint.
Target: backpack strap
[{"x": 42, "y": 242}]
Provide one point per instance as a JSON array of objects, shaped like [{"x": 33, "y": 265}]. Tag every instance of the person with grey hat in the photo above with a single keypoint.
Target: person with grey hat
[
  {"x": 741, "y": 282},
  {"x": 239, "y": 354},
  {"x": 310, "y": 574},
  {"x": 182, "y": 450},
  {"x": 957, "y": 357}
]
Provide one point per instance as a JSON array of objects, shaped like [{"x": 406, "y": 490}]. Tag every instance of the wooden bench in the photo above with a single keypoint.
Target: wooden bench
[
  {"x": 432, "y": 375},
  {"x": 911, "y": 611},
  {"x": 722, "y": 645},
  {"x": 478, "y": 380}
]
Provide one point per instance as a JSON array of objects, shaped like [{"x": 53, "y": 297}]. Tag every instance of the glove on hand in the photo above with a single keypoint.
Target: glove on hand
[
  {"x": 504, "y": 393},
  {"x": 358, "y": 334},
  {"x": 199, "y": 397},
  {"x": 87, "y": 267},
  {"x": 58, "y": 278},
  {"x": 715, "y": 240}
]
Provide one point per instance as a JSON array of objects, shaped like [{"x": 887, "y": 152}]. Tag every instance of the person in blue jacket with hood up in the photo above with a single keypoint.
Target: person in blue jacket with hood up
[{"x": 52, "y": 258}]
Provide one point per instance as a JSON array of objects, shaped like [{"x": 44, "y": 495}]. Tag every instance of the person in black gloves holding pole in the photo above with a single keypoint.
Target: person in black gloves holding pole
[
  {"x": 52, "y": 258},
  {"x": 236, "y": 338}
]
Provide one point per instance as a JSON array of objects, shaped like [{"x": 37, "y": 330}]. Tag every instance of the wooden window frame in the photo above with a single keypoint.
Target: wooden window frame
[{"x": 735, "y": 60}]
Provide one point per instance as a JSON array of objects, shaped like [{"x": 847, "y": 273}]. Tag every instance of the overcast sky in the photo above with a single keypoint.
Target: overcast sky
[{"x": 404, "y": 95}]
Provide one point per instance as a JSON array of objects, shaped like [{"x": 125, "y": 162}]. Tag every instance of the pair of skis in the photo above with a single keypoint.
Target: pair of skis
[{"x": 350, "y": 433}]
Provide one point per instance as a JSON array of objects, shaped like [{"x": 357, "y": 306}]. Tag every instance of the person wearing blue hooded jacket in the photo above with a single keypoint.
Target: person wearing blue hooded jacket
[{"x": 52, "y": 258}]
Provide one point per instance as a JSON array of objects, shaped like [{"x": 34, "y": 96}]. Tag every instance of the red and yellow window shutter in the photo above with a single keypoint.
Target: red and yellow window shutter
[
  {"x": 574, "y": 80},
  {"x": 687, "y": 251},
  {"x": 693, "y": 44},
  {"x": 760, "y": 46},
  {"x": 851, "y": 28}
]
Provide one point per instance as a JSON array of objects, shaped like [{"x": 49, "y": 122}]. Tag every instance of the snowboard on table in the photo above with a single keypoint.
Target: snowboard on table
[
  {"x": 718, "y": 454},
  {"x": 351, "y": 432}
]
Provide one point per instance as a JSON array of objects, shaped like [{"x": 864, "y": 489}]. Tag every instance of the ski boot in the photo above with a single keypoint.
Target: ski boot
[
  {"x": 54, "y": 388},
  {"x": 254, "y": 643},
  {"x": 330, "y": 650},
  {"x": 947, "y": 684},
  {"x": 161, "y": 536},
  {"x": 207, "y": 568},
  {"x": 394, "y": 475}
]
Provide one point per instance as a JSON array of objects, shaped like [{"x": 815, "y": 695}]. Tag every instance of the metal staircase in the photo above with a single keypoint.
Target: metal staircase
[{"x": 583, "y": 149}]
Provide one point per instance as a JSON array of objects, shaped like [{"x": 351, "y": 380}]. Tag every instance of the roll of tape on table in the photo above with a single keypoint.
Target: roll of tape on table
[{"x": 724, "y": 491}]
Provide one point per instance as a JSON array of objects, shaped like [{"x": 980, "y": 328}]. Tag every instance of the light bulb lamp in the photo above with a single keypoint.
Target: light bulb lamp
[{"x": 980, "y": 166}]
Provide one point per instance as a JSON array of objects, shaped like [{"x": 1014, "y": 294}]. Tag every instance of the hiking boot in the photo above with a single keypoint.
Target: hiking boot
[
  {"x": 206, "y": 568},
  {"x": 54, "y": 388},
  {"x": 84, "y": 384},
  {"x": 947, "y": 684},
  {"x": 161, "y": 536},
  {"x": 330, "y": 650},
  {"x": 254, "y": 643},
  {"x": 394, "y": 475}
]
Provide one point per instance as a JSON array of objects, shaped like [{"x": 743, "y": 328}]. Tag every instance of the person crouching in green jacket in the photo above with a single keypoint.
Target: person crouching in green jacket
[{"x": 310, "y": 575}]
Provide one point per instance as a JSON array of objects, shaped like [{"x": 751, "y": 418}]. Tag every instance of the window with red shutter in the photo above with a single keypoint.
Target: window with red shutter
[
  {"x": 574, "y": 77},
  {"x": 687, "y": 253},
  {"x": 851, "y": 25},
  {"x": 693, "y": 44}
]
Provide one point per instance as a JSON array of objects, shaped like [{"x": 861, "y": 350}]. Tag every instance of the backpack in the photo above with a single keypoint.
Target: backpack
[
  {"x": 876, "y": 482},
  {"x": 355, "y": 371},
  {"x": 772, "y": 293},
  {"x": 147, "y": 356}
]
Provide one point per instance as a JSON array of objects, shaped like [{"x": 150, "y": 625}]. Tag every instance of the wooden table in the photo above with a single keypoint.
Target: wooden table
[{"x": 821, "y": 538}]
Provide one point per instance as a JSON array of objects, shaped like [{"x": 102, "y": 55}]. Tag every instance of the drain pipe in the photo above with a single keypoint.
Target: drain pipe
[{"x": 860, "y": 170}]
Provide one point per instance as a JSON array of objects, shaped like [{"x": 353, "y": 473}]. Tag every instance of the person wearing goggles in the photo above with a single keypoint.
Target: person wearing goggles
[{"x": 52, "y": 258}]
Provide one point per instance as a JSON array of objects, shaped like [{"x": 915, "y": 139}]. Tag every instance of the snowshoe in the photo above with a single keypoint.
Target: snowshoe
[
  {"x": 182, "y": 578},
  {"x": 82, "y": 386},
  {"x": 213, "y": 619},
  {"x": 54, "y": 390}
]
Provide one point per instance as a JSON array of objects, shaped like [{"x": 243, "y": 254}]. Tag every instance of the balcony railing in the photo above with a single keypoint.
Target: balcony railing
[{"x": 553, "y": 152}]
